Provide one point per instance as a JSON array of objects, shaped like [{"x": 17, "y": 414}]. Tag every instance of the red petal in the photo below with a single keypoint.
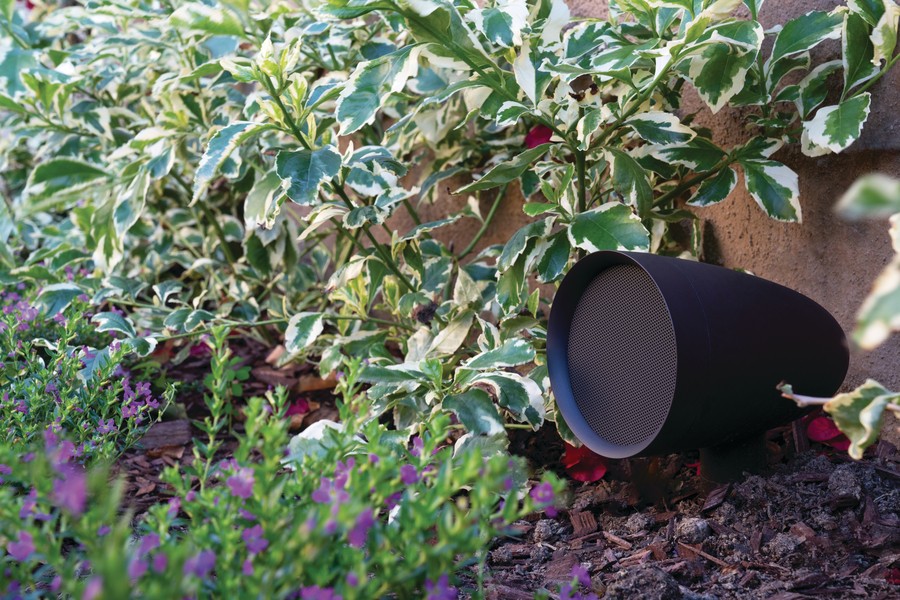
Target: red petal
[
  {"x": 298, "y": 407},
  {"x": 822, "y": 429},
  {"x": 841, "y": 442},
  {"x": 539, "y": 134},
  {"x": 583, "y": 465}
]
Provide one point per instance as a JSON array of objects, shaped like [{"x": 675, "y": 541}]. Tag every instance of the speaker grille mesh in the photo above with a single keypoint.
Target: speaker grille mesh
[{"x": 622, "y": 357}]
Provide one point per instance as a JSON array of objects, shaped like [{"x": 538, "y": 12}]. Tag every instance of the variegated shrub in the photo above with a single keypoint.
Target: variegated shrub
[{"x": 167, "y": 137}]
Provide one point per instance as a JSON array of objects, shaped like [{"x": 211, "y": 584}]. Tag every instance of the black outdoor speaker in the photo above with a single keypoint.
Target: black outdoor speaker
[{"x": 650, "y": 355}]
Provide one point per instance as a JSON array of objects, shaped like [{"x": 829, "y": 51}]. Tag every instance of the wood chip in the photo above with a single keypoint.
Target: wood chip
[
  {"x": 171, "y": 452},
  {"x": 716, "y": 497},
  {"x": 705, "y": 555},
  {"x": 314, "y": 383},
  {"x": 614, "y": 539},
  {"x": 583, "y": 523},
  {"x": 659, "y": 552},
  {"x": 167, "y": 433},
  {"x": 276, "y": 353},
  {"x": 274, "y": 377}
]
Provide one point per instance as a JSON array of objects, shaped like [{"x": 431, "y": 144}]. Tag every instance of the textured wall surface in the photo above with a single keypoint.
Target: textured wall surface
[{"x": 826, "y": 258}]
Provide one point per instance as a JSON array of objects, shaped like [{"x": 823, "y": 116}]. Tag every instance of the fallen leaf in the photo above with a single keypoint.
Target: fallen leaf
[{"x": 582, "y": 464}]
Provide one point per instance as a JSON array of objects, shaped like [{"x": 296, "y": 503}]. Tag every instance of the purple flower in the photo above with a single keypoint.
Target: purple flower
[
  {"x": 352, "y": 579},
  {"x": 136, "y": 569},
  {"x": 20, "y": 550},
  {"x": 440, "y": 590},
  {"x": 359, "y": 532},
  {"x": 253, "y": 537},
  {"x": 315, "y": 592},
  {"x": 56, "y": 584},
  {"x": 4, "y": 470},
  {"x": 581, "y": 574},
  {"x": 542, "y": 493},
  {"x": 247, "y": 568},
  {"x": 247, "y": 514},
  {"x": 329, "y": 493},
  {"x": 393, "y": 500},
  {"x": 418, "y": 446},
  {"x": 103, "y": 530},
  {"x": 108, "y": 426},
  {"x": 148, "y": 542},
  {"x": 241, "y": 483},
  {"x": 408, "y": 474},
  {"x": 373, "y": 458},
  {"x": 342, "y": 472},
  {"x": 70, "y": 492},
  {"x": 92, "y": 589},
  {"x": 160, "y": 562},
  {"x": 174, "y": 507},
  {"x": 201, "y": 564}
]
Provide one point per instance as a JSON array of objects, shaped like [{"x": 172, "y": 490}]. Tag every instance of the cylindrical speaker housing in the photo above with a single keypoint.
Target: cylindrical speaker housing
[{"x": 650, "y": 354}]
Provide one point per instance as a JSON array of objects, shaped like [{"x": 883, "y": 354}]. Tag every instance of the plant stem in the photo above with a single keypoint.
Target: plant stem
[
  {"x": 487, "y": 222},
  {"x": 874, "y": 80},
  {"x": 220, "y": 233},
  {"x": 412, "y": 211}
]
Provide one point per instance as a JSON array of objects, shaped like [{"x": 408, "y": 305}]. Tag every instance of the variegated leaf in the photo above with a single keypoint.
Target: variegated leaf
[
  {"x": 630, "y": 181},
  {"x": 370, "y": 83},
  {"x": 775, "y": 188},
  {"x": 219, "y": 148},
  {"x": 805, "y": 32},
  {"x": 715, "y": 189},
  {"x": 519, "y": 395},
  {"x": 872, "y": 196},
  {"x": 611, "y": 226},
  {"x": 836, "y": 127},
  {"x": 304, "y": 171},
  {"x": 661, "y": 128},
  {"x": 859, "y": 414}
]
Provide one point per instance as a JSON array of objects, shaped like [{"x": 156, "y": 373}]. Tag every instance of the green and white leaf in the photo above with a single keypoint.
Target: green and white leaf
[
  {"x": 302, "y": 331},
  {"x": 715, "y": 189},
  {"x": 698, "y": 155},
  {"x": 506, "y": 171},
  {"x": 54, "y": 298},
  {"x": 219, "y": 148},
  {"x": 661, "y": 128},
  {"x": 719, "y": 69},
  {"x": 630, "y": 180},
  {"x": 261, "y": 205},
  {"x": 110, "y": 321},
  {"x": 812, "y": 89},
  {"x": 611, "y": 226},
  {"x": 836, "y": 127},
  {"x": 512, "y": 353},
  {"x": 873, "y": 196},
  {"x": 304, "y": 171},
  {"x": 370, "y": 83},
  {"x": 453, "y": 335},
  {"x": 60, "y": 178},
  {"x": 859, "y": 414},
  {"x": 884, "y": 35},
  {"x": 805, "y": 32},
  {"x": 519, "y": 395},
  {"x": 214, "y": 20},
  {"x": 476, "y": 411},
  {"x": 858, "y": 53},
  {"x": 775, "y": 188}
]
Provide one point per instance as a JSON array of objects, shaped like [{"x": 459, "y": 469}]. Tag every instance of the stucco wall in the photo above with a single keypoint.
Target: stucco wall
[{"x": 826, "y": 258}]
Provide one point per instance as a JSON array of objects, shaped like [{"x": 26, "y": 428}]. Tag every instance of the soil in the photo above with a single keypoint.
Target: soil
[{"x": 815, "y": 525}]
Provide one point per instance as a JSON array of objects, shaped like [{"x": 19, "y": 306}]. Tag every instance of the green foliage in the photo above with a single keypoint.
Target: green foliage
[{"x": 352, "y": 510}]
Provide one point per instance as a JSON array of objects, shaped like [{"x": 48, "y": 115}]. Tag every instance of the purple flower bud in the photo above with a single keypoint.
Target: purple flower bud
[
  {"x": 359, "y": 532},
  {"x": 440, "y": 590},
  {"x": 160, "y": 562},
  {"x": 241, "y": 483},
  {"x": 201, "y": 564},
  {"x": 409, "y": 475},
  {"x": 70, "y": 492}
]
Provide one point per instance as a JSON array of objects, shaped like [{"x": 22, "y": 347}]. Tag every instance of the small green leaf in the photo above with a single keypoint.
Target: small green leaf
[
  {"x": 836, "y": 127},
  {"x": 453, "y": 335},
  {"x": 196, "y": 318},
  {"x": 220, "y": 147},
  {"x": 507, "y": 171},
  {"x": 110, "y": 321},
  {"x": 698, "y": 155},
  {"x": 476, "y": 411},
  {"x": 884, "y": 35},
  {"x": 391, "y": 374},
  {"x": 261, "y": 205},
  {"x": 715, "y": 189},
  {"x": 774, "y": 187},
  {"x": 517, "y": 243},
  {"x": 512, "y": 353},
  {"x": 213, "y": 20},
  {"x": 612, "y": 226},
  {"x": 304, "y": 172},
  {"x": 302, "y": 331},
  {"x": 56, "y": 297},
  {"x": 859, "y": 414}
]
